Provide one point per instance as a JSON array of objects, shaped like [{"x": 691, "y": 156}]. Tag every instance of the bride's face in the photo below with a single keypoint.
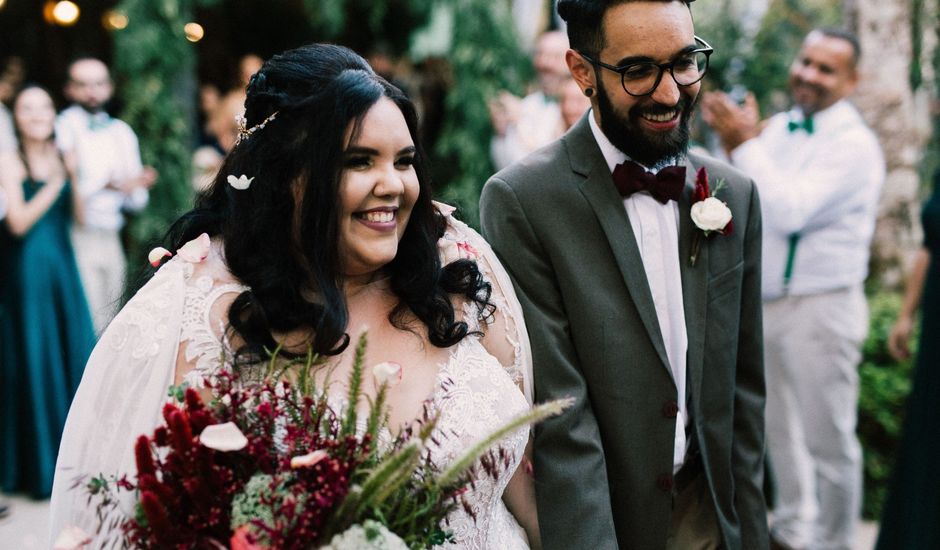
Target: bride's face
[{"x": 377, "y": 191}]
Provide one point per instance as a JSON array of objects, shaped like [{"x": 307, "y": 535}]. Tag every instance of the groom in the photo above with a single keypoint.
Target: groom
[{"x": 664, "y": 446}]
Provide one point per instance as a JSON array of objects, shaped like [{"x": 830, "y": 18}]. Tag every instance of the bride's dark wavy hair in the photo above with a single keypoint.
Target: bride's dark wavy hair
[{"x": 288, "y": 253}]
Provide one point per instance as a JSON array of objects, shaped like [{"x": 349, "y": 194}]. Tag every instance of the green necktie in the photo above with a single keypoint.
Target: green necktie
[{"x": 805, "y": 124}]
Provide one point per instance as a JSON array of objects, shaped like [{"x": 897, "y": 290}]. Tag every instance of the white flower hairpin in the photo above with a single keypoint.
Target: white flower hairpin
[{"x": 241, "y": 183}]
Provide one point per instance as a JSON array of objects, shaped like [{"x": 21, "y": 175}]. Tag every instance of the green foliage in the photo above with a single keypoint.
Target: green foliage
[
  {"x": 154, "y": 66},
  {"x": 486, "y": 58},
  {"x": 885, "y": 384},
  {"x": 365, "y": 24},
  {"x": 760, "y": 63},
  {"x": 777, "y": 43}
]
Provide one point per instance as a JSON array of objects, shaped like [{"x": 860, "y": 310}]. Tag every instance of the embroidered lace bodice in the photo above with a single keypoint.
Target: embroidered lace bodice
[{"x": 158, "y": 337}]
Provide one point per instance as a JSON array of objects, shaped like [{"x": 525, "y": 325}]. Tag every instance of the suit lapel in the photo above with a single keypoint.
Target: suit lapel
[
  {"x": 694, "y": 283},
  {"x": 598, "y": 188}
]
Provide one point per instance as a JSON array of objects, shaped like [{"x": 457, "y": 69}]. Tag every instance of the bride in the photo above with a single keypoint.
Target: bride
[{"x": 318, "y": 227}]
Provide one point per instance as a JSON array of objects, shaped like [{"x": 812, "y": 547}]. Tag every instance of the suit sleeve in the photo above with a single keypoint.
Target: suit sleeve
[
  {"x": 570, "y": 472},
  {"x": 748, "y": 447}
]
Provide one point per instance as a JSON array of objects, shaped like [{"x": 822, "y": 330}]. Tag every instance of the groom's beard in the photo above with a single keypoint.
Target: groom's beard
[{"x": 647, "y": 148}]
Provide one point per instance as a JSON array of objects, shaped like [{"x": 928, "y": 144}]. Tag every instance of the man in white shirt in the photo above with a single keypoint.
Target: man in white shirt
[
  {"x": 521, "y": 126},
  {"x": 111, "y": 181},
  {"x": 820, "y": 170},
  {"x": 650, "y": 324}
]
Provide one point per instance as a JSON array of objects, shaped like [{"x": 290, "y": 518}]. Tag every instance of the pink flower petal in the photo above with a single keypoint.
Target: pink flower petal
[
  {"x": 196, "y": 250},
  {"x": 223, "y": 437},
  {"x": 71, "y": 538},
  {"x": 307, "y": 460},
  {"x": 468, "y": 249},
  {"x": 157, "y": 254},
  {"x": 388, "y": 372}
]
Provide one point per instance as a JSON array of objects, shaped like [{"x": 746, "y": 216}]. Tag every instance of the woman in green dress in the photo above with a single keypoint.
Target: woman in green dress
[
  {"x": 911, "y": 516},
  {"x": 45, "y": 328}
]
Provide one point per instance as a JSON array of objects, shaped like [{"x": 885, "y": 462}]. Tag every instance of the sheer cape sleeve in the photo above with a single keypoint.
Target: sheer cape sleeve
[
  {"x": 505, "y": 334},
  {"x": 120, "y": 397}
]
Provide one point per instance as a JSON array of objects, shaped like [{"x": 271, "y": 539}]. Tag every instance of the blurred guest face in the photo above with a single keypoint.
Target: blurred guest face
[
  {"x": 378, "y": 189},
  {"x": 549, "y": 61},
  {"x": 89, "y": 84},
  {"x": 823, "y": 73},
  {"x": 653, "y": 127},
  {"x": 34, "y": 114},
  {"x": 249, "y": 65},
  {"x": 573, "y": 103}
]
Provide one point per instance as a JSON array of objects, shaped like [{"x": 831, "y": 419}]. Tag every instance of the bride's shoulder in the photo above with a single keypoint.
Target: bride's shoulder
[{"x": 460, "y": 241}]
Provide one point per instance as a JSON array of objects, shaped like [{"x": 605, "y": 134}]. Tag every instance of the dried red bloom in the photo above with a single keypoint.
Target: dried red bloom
[{"x": 143, "y": 456}]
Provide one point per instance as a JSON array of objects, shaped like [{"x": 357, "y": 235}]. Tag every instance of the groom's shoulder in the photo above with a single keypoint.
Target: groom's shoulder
[
  {"x": 736, "y": 181},
  {"x": 718, "y": 168},
  {"x": 545, "y": 167}
]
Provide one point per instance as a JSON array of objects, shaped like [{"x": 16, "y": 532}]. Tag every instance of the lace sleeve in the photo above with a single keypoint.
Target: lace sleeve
[
  {"x": 505, "y": 335},
  {"x": 210, "y": 291}
]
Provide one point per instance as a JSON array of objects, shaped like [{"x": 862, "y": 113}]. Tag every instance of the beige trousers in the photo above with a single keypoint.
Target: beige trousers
[
  {"x": 812, "y": 347},
  {"x": 101, "y": 265}
]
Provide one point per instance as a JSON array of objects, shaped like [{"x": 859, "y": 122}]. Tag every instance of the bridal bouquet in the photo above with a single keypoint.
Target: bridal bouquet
[{"x": 272, "y": 463}]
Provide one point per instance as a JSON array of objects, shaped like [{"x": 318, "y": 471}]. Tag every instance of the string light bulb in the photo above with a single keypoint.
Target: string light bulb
[
  {"x": 63, "y": 13},
  {"x": 194, "y": 31},
  {"x": 114, "y": 20}
]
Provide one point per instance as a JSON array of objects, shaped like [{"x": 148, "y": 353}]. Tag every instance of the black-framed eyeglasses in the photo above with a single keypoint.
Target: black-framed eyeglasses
[{"x": 642, "y": 78}]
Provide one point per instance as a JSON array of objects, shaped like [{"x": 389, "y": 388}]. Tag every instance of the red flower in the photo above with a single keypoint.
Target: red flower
[
  {"x": 701, "y": 191},
  {"x": 242, "y": 540},
  {"x": 143, "y": 456}
]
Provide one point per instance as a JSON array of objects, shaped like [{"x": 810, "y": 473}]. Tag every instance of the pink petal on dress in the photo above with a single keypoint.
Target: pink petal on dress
[
  {"x": 196, "y": 250},
  {"x": 71, "y": 538},
  {"x": 157, "y": 254}
]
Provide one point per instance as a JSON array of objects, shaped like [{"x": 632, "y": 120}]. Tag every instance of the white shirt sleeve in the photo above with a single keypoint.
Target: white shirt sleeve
[{"x": 799, "y": 196}]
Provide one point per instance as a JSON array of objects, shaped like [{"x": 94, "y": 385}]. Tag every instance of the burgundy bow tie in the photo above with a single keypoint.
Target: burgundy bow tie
[{"x": 665, "y": 185}]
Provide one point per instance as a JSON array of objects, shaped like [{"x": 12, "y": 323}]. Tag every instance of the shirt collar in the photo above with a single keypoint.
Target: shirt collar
[{"x": 829, "y": 118}]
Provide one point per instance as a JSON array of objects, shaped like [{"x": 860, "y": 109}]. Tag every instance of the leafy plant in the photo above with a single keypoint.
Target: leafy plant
[{"x": 885, "y": 385}]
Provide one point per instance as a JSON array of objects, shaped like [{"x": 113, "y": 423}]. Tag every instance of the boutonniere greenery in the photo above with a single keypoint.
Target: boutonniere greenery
[{"x": 709, "y": 213}]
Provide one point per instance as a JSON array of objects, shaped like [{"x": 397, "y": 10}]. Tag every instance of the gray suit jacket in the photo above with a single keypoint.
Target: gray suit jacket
[{"x": 603, "y": 469}]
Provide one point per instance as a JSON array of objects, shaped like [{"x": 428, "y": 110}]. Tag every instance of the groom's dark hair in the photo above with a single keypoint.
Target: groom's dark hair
[{"x": 584, "y": 19}]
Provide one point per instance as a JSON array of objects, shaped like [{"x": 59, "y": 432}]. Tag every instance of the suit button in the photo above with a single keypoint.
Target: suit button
[
  {"x": 670, "y": 409},
  {"x": 664, "y": 482}
]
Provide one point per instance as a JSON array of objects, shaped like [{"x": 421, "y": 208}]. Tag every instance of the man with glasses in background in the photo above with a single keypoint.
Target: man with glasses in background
[
  {"x": 820, "y": 170},
  {"x": 642, "y": 299}
]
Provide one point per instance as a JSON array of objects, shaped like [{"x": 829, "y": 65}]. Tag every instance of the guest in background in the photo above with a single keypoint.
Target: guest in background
[
  {"x": 110, "y": 179},
  {"x": 573, "y": 103},
  {"x": 819, "y": 170},
  {"x": 46, "y": 334},
  {"x": 521, "y": 126},
  {"x": 913, "y": 507}
]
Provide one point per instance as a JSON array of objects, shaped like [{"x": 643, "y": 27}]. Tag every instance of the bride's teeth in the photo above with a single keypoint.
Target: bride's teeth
[{"x": 380, "y": 217}]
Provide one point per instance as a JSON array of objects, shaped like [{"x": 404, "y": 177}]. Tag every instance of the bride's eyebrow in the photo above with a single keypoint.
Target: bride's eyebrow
[{"x": 357, "y": 150}]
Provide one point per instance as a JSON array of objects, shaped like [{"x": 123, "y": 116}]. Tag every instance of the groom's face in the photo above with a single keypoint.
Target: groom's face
[{"x": 655, "y": 126}]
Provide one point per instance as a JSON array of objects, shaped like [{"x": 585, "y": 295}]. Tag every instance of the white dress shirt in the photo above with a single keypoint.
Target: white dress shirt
[
  {"x": 823, "y": 187},
  {"x": 656, "y": 228},
  {"x": 106, "y": 150}
]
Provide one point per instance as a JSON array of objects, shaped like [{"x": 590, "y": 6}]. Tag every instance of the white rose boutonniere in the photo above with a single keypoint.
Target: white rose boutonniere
[{"x": 709, "y": 213}]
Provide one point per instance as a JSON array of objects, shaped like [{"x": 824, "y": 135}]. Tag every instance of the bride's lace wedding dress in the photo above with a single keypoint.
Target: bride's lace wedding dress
[{"x": 176, "y": 317}]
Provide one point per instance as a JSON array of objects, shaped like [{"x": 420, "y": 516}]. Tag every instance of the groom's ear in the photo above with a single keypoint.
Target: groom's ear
[{"x": 582, "y": 71}]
